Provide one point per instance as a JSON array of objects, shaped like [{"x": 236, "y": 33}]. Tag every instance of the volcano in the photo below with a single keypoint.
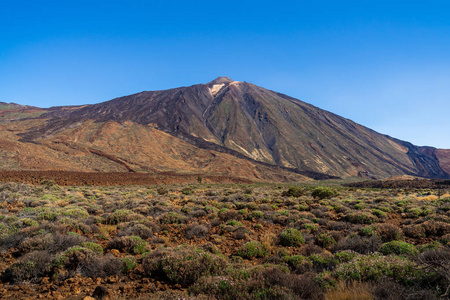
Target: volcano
[{"x": 227, "y": 127}]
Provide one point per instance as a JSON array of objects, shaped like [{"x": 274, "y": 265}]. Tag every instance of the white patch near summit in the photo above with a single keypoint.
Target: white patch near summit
[{"x": 215, "y": 88}]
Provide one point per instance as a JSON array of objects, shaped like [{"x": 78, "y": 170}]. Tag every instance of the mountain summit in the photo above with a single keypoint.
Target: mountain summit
[
  {"x": 220, "y": 80},
  {"x": 241, "y": 120}
]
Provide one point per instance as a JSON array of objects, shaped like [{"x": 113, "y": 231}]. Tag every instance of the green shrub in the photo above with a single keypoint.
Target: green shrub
[
  {"x": 243, "y": 211},
  {"x": 96, "y": 248},
  {"x": 374, "y": 267},
  {"x": 139, "y": 246},
  {"x": 172, "y": 218},
  {"x": 75, "y": 212},
  {"x": 301, "y": 207},
  {"x": 234, "y": 223},
  {"x": 323, "y": 261},
  {"x": 118, "y": 216},
  {"x": 129, "y": 263},
  {"x": 324, "y": 240},
  {"x": 360, "y": 206},
  {"x": 187, "y": 191},
  {"x": 291, "y": 237},
  {"x": 362, "y": 218},
  {"x": 48, "y": 215},
  {"x": 183, "y": 265},
  {"x": 434, "y": 245},
  {"x": 29, "y": 222},
  {"x": 294, "y": 192},
  {"x": 379, "y": 213},
  {"x": 399, "y": 248},
  {"x": 324, "y": 193},
  {"x": 345, "y": 256},
  {"x": 309, "y": 227},
  {"x": 252, "y": 249},
  {"x": 298, "y": 263},
  {"x": 257, "y": 214},
  {"x": 367, "y": 230}
]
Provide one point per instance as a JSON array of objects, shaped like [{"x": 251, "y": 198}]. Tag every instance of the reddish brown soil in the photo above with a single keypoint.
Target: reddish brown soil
[
  {"x": 402, "y": 184},
  {"x": 91, "y": 178}
]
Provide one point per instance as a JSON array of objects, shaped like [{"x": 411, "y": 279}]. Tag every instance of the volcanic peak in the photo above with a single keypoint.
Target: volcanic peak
[{"x": 220, "y": 80}]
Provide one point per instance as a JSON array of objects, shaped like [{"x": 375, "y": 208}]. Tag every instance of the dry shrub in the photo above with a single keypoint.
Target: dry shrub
[
  {"x": 322, "y": 212},
  {"x": 69, "y": 261},
  {"x": 445, "y": 239},
  {"x": 310, "y": 249},
  {"x": 100, "y": 266},
  {"x": 350, "y": 291},
  {"x": 436, "y": 228},
  {"x": 240, "y": 233},
  {"x": 197, "y": 230},
  {"x": 31, "y": 266},
  {"x": 363, "y": 245},
  {"x": 337, "y": 235},
  {"x": 106, "y": 230},
  {"x": 268, "y": 240},
  {"x": 414, "y": 231},
  {"x": 35, "y": 243},
  {"x": 130, "y": 244},
  {"x": 53, "y": 243},
  {"x": 337, "y": 225},
  {"x": 390, "y": 290},
  {"x": 197, "y": 213},
  {"x": 263, "y": 283},
  {"x": 282, "y": 220},
  {"x": 388, "y": 232},
  {"x": 136, "y": 229},
  {"x": 303, "y": 285},
  {"x": 230, "y": 215},
  {"x": 438, "y": 261},
  {"x": 63, "y": 242}
]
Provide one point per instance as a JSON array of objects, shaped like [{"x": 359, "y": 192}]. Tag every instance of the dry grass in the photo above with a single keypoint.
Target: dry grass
[
  {"x": 428, "y": 198},
  {"x": 268, "y": 240},
  {"x": 350, "y": 291},
  {"x": 106, "y": 230}
]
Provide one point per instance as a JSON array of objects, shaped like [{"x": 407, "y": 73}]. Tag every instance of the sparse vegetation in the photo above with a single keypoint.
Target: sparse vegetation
[{"x": 223, "y": 241}]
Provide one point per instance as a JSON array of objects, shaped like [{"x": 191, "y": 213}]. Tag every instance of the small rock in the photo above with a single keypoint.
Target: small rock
[
  {"x": 45, "y": 280},
  {"x": 115, "y": 252},
  {"x": 57, "y": 295},
  {"x": 88, "y": 298},
  {"x": 112, "y": 279},
  {"x": 101, "y": 292}
]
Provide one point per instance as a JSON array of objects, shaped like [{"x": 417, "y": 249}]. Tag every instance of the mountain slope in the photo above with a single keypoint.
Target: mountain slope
[
  {"x": 256, "y": 124},
  {"x": 91, "y": 146}
]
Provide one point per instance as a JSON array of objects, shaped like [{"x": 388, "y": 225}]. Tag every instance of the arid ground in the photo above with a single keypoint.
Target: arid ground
[{"x": 202, "y": 240}]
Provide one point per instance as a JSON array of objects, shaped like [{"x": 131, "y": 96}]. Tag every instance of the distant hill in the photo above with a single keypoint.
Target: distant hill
[{"x": 224, "y": 127}]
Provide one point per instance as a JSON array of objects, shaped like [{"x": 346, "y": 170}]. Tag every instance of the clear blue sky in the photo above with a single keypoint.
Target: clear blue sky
[{"x": 383, "y": 64}]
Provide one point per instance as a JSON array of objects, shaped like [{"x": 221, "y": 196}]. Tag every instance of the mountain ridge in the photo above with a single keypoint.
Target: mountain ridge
[{"x": 258, "y": 125}]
